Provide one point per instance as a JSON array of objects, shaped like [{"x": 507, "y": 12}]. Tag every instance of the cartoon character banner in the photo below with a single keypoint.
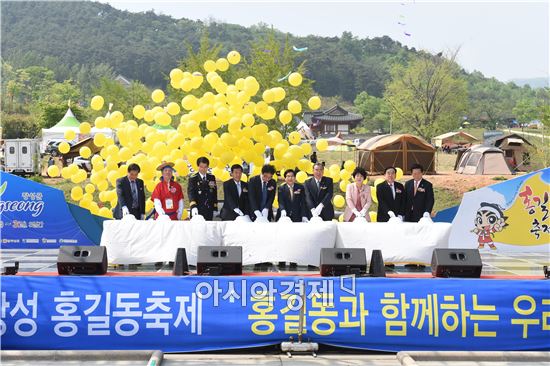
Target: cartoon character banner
[
  {"x": 35, "y": 216},
  {"x": 510, "y": 216}
]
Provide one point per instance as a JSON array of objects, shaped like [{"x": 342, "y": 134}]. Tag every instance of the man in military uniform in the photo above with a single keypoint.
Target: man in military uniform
[{"x": 202, "y": 191}]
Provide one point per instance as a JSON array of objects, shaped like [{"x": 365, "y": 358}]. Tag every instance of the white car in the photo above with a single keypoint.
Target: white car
[{"x": 83, "y": 163}]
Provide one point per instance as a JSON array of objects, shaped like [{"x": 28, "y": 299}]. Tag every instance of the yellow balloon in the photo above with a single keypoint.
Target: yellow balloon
[
  {"x": 139, "y": 111},
  {"x": 295, "y": 79},
  {"x": 321, "y": 144},
  {"x": 70, "y": 135},
  {"x": 294, "y": 107},
  {"x": 209, "y": 66},
  {"x": 76, "y": 193},
  {"x": 398, "y": 173},
  {"x": 53, "y": 171},
  {"x": 173, "y": 108},
  {"x": 85, "y": 152},
  {"x": 285, "y": 117},
  {"x": 97, "y": 103},
  {"x": 99, "y": 139},
  {"x": 234, "y": 57},
  {"x": 343, "y": 186},
  {"x": 89, "y": 188},
  {"x": 344, "y": 174},
  {"x": 105, "y": 212},
  {"x": 341, "y": 218},
  {"x": 373, "y": 216},
  {"x": 64, "y": 147},
  {"x": 294, "y": 137},
  {"x": 373, "y": 194},
  {"x": 339, "y": 201},
  {"x": 301, "y": 177},
  {"x": 279, "y": 94},
  {"x": 350, "y": 165},
  {"x": 176, "y": 74},
  {"x": 306, "y": 148},
  {"x": 222, "y": 64},
  {"x": 116, "y": 118},
  {"x": 157, "y": 95},
  {"x": 314, "y": 103},
  {"x": 85, "y": 128}
]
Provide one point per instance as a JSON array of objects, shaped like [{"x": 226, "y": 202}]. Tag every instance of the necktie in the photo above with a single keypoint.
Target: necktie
[
  {"x": 264, "y": 194},
  {"x": 239, "y": 188},
  {"x": 134, "y": 194},
  {"x": 204, "y": 178},
  {"x": 291, "y": 193},
  {"x": 392, "y": 191},
  {"x": 415, "y": 187}
]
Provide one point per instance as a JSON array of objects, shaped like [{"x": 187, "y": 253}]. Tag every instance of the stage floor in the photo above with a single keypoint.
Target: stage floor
[{"x": 494, "y": 264}]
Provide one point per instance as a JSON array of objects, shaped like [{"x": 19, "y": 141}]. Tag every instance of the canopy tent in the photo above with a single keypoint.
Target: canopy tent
[
  {"x": 480, "y": 159},
  {"x": 163, "y": 128},
  {"x": 516, "y": 151},
  {"x": 67, "y": 123},
  {"x": 400, "y": 150},
  {"x": 453, "y": 138}
]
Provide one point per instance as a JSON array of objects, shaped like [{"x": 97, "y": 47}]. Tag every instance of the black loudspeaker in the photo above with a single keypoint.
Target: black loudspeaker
[
  {"x": 345, "y": 261},
  {"x": 377, "y": 268},
  {"x": 456, "y": 263},
  {"x": 82, "y": 260},
  {"x": 181, "y": 268},
  {"x": 220, "y": 261}
]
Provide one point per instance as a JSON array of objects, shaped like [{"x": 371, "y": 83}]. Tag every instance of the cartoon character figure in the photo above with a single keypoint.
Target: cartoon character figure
[{"x": 489, "y": 219}]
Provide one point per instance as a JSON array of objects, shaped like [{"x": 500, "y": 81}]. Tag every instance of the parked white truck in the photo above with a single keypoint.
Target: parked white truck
[{"x": 21, "y": 156}]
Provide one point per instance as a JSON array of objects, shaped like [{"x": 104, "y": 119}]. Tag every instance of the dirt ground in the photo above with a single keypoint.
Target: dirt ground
[{"x": 459, "y": 183}]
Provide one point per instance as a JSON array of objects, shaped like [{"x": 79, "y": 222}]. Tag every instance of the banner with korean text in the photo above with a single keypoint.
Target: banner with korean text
[
  {"x": 35, "y": 216},
  {"x": 184, "y": 314}
]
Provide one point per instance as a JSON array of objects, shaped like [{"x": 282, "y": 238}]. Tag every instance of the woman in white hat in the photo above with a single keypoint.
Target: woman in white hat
[{"x": 168, "y": 194}]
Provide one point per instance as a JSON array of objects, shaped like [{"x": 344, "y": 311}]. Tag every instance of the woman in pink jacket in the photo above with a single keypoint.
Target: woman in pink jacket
[{"x": 358, "y": 199}]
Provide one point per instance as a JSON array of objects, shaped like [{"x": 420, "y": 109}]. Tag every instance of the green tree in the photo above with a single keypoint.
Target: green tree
[
  {"x": 375, "y": 111},
  {"x": 526, "y": 110},
  {"x": 427, "y": 97}
]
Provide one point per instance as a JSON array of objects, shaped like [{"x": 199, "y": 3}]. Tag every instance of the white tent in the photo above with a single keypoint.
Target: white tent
[{"x": 67, "y": 123}]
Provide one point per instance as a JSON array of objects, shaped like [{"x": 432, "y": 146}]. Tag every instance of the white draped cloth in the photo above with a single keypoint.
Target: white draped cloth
[{"x": 131, "y": 241}]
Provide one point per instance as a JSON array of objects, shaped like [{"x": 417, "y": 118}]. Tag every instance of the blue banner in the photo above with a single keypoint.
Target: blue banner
[
  {"x": 183, "y": 314},
  {"x": 35, "y": 216}
]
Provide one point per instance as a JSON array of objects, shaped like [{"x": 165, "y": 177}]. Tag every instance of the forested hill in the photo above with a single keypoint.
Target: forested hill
[{"x": 145, "y": 46}]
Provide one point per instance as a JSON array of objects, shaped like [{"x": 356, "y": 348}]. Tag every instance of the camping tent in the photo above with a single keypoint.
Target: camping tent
[
  {"x": 68, "y": 122},
  {"x": 480, "y": 159},
  {"x": 453, "y": 138},
  {"x": 515, "y": 150},
  {"x": 401, "y": 150}
]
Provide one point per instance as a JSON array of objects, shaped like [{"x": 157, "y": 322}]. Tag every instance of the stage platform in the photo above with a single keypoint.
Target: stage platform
[{"x": 494, "y": 264}]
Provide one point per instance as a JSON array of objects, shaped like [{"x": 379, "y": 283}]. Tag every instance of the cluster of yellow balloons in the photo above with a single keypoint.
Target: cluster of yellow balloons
[{"x": 231, "y": 113}]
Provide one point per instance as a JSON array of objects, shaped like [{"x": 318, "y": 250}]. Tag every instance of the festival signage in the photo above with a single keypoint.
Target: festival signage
[
  {"x": 35, "y": 216},
  {"x": 510, "y": 216},
  {"x": 199, "y": 313}
]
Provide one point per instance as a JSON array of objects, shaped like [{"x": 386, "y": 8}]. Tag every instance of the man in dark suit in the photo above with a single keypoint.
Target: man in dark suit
[
  {"x": 235, "y": 195},
  {"x": 391, "y": 197},
  {"x": 419, "y": 196},
  {"x": 319, "y": 191},
  {"x": 130, "y": 194},
  {"x": 292, "y": 201},
  {"x": 202, "y": 191},
  {"x": 261, "y": 194}
]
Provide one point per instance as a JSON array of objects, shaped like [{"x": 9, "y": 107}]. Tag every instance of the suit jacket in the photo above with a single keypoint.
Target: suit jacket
[
  {"x": 351, "y": 198},
  {"x": 232, "y": 200},
  {"x": 295, "y": 208},
  {"x": 322, "y": 195},
  {"x": 203, "y": 195},
  {"x": 387, "y": 203},
  {"x": 422, "y": 201},
  {"x": 255, "y": 196},
  {"x": 124, "y": 195}
]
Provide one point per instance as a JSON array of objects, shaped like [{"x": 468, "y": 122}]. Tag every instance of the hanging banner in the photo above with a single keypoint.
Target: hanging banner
[
  {"x": 35, "y": 216},
  {"x": 510, "y": 216},
  {"x": 199, "y": 313}
]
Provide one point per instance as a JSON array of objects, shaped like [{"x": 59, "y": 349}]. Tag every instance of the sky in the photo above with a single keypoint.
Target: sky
[{"x": 502, "y": 39}]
